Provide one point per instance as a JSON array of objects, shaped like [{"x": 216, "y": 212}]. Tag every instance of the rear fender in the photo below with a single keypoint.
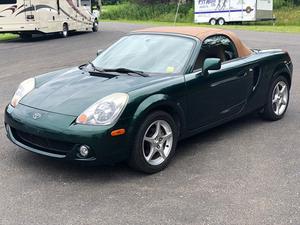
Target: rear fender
[{"x": 283, "y": 68}]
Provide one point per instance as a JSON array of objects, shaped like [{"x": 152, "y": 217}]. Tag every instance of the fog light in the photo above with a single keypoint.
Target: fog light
[{"x": 84, "y": 151}]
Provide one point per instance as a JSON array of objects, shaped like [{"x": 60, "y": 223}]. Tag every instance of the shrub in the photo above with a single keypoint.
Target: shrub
[{"x": 155, "y": 12}]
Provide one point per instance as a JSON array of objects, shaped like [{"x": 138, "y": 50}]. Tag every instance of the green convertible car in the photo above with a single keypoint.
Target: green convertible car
[{"x": 146, "y": 92}]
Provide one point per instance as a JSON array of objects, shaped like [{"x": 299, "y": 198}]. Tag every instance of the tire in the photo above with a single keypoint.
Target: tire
[
  {"x": 26, "y": 36},
  {"x": 277, "y": 100},
  {"x": 95, "y": 26},
  {"x": 153, "y": 149},
  {"x": 221, "y": 21},
  {"x": 213, "y": 21},
  {"x": 65, "y": 31}
]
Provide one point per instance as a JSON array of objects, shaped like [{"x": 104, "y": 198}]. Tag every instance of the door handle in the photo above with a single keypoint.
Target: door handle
[{"x": 243, "y": 74}]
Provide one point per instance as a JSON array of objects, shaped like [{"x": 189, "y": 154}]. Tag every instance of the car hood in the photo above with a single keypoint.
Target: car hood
[{"x": 71, "y": 92}]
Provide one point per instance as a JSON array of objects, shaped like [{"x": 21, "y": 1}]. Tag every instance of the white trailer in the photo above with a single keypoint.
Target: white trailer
[
  {"x": 222, "y": 11},
  {"x": 27, "y": 17}
]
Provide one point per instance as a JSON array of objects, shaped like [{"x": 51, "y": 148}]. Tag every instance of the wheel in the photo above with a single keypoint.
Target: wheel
[
  {"x": 213, "y": 21},
  {"x": 155, "y": 143},
  {"x": 95, "y": 26},
  {"x": 249, "y": 9},
  {"x": 25, "y": 36},
  {"x": 278, "y": 99},
  {"x": 65, "y": 31},
  {"x": 221, "y": 21}
]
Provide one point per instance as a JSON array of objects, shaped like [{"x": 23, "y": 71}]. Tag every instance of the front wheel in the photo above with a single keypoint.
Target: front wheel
[
  {"x": 65, "y": 31},
  {"x": 278, "y": 99},
  {"x": 155, "y": 143},
  {"x": 213, "y": 21},
  {"x": 95, "y": 26}
]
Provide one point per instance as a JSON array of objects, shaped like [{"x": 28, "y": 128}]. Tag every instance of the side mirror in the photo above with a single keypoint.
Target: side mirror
[
  {"x": 99, "y": 52},
  {"x": 211, "y": 64}
]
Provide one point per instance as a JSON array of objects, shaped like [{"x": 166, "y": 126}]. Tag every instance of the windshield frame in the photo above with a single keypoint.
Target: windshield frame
[{"x": 187, "y": 64}]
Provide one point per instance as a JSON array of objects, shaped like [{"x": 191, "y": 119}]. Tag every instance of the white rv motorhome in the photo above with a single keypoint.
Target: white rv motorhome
[
  {"x": 222, "y": 11},
  {"x": 27, "y": 17}
]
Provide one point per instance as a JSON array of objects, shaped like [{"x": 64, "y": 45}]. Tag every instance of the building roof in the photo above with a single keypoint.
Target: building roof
[{"x": 201, "y": 33}]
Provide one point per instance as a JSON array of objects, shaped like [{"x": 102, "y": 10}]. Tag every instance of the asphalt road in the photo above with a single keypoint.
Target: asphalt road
[{"x": 246, "y": 172}]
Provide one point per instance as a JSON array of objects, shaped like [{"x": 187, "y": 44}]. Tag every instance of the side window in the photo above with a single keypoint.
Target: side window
[
  {"x": 217, "y": 46},
  {"x": 4, "y": 2}
]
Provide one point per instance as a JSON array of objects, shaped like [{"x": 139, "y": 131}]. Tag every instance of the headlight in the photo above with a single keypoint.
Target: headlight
[
  {"x": 106, "y": 111},
  {"x": 24, "y": 88}
]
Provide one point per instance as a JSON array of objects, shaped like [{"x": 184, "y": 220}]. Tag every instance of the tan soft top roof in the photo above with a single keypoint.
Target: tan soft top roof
[{"x": 201, "y": 33}]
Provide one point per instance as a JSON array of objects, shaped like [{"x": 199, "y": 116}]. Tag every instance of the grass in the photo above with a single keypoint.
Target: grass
[
  {"x": 6, "y": 37},
  {"x": 261, "y": 28},
  {"x": 287, "y": 19}
]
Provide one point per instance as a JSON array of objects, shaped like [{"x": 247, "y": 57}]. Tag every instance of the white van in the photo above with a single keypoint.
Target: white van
[
  {"x": 222, "y": 11},
  {"x": 27, "y": 17}
]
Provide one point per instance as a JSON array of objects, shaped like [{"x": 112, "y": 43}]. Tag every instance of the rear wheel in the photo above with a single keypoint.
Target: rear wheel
[
  {"x": 278, "y": 99},
  {"x": 221, "y": 21},
  {"x": 213, "y": 21},
  {"x": 65, "y": 31},
  {"x": 155, "y": 143},
  {"x": 25, "y": 36}
]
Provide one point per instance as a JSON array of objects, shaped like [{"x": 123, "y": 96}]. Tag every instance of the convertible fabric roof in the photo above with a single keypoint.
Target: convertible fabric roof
[{"x": 201, "y": 33}]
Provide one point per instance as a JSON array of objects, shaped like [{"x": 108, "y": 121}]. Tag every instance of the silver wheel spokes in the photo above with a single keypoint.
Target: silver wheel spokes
[
  {"x": 280, "y": 98},
  {"x": 157, "y": 142}
]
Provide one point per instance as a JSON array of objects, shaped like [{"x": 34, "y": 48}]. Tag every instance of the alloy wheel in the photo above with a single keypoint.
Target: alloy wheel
[
  {"x": 157, "y": 142},
  {"x": 280, "y": 98}
]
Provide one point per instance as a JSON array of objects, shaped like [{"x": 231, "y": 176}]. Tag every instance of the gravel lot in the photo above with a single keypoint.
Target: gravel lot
[{"x": 246, "y": 172}]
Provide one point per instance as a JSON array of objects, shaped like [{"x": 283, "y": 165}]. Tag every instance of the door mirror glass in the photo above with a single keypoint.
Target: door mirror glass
[
  {"x": 211, "y": 64},
  {"x": 99, "y": 52}
]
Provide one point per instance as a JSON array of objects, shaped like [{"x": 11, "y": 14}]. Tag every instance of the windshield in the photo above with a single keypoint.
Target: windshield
[{"x": 154, "y": 54}]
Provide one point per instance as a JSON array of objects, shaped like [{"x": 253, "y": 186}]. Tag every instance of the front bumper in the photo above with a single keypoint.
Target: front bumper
[{"x": 56, "y": 135}]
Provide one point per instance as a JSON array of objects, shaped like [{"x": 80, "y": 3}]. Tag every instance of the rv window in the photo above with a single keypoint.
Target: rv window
[
  {"x": 85, "y": 2},
  {"x": 3, "y": 2},
  {"x": 58, "y": 6},
  {"x": 217, "y": 46}
]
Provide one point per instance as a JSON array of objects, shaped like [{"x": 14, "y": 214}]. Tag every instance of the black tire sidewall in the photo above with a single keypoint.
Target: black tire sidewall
[
  {"x": 221, "y": 19},
  {"x": 213, "y": 19},
  {"x": 269, "y": 113},
  {"x": 25, "y": 36},
  {"x": 95, "y": 26},
  {"x": 137, "y": 159},
  {"x": 65, "y": 28}
]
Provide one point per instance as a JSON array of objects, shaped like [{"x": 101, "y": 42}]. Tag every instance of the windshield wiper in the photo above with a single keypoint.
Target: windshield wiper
[
  {"x": 124, "y": 70},
  {"x": 118, "y": 70},
  {"x": 95, "y": 68}
]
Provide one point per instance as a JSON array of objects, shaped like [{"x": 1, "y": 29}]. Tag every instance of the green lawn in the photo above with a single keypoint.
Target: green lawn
[
  {"x": 266, "y": 28},
  {"x": 287, "y": 19},
  {"x": 5, "y": 37}
]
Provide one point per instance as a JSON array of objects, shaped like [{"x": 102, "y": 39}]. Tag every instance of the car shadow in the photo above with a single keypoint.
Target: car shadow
[
  {"x": 81, "y": 172},
  {"x": 187, "y": 146}
]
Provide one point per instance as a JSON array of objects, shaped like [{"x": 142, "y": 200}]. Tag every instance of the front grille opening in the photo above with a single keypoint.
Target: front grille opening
[{"x": 41, "y": 143}]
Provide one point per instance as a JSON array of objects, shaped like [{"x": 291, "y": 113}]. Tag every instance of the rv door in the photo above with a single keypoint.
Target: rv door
[{"x": 29, "y": 9}]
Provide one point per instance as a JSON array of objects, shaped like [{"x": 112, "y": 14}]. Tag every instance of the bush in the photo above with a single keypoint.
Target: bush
[
  {"x": 155, "y": 12},
  {"x": 166, "y": 13}
]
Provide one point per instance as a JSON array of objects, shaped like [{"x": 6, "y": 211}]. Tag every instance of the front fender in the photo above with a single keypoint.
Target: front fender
[{"x": 175, "y": 107}]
